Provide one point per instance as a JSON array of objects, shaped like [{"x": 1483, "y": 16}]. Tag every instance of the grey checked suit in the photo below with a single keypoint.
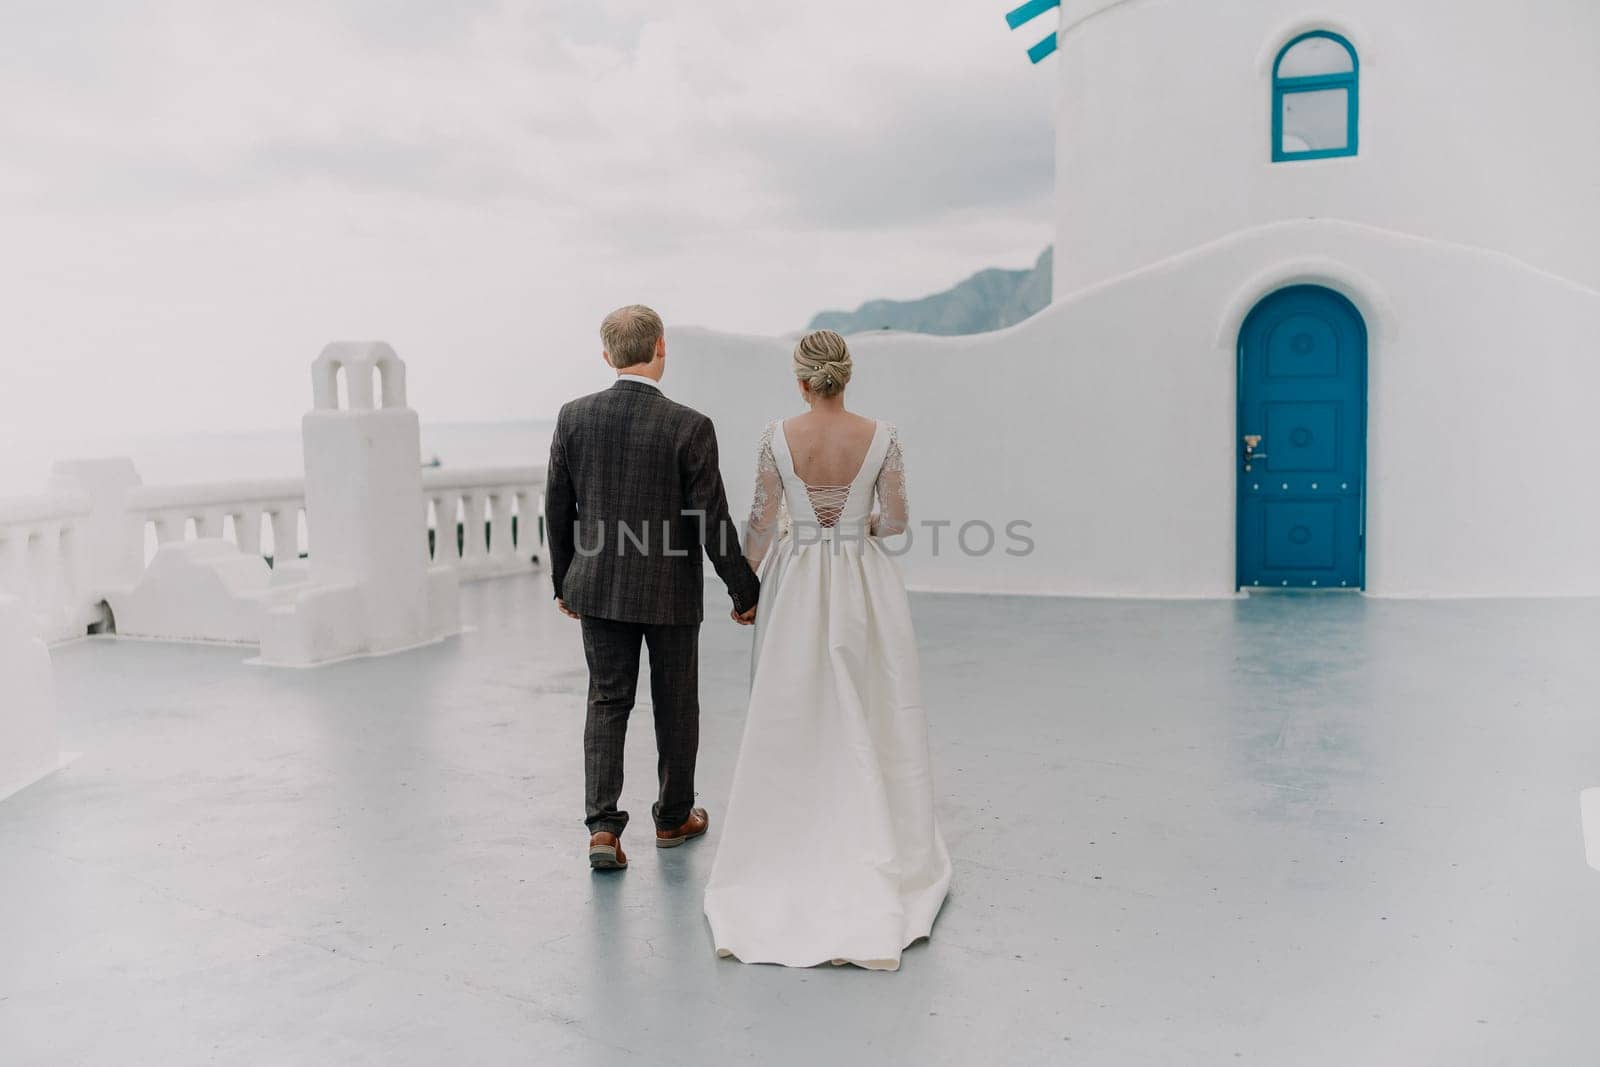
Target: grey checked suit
[{"x": 633, "y": 505}]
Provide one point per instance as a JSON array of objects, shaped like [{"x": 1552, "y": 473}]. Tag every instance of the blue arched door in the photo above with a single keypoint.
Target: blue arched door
[{"x": 1302, "y": 448}]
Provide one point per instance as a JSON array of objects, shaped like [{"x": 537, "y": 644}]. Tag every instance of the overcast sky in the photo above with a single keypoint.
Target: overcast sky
[{"x": 197, "y": 196}]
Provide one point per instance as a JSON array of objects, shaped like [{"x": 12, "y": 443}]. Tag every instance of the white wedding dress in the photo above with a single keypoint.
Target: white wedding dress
[{"x": 830, "y": 848}]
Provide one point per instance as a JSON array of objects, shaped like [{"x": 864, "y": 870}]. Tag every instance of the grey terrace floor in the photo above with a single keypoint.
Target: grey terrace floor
[{"x": 1281, "y": 831}]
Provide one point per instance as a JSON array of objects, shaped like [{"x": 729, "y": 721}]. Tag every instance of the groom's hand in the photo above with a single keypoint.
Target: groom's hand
[
  {"x": 568, "y": 612},
  {"x": 743, "y": 618}
]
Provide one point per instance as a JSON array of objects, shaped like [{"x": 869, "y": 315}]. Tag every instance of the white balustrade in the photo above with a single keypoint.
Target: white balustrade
[
  {"x": 47, "y": 549},
  {"x": 486, "y": 501},
  {"x": 173, "y": 511},
  {"x": 207, "y": 509},
  {"x": 42, "y": 561},
  {"x": 494, "y": 496}
]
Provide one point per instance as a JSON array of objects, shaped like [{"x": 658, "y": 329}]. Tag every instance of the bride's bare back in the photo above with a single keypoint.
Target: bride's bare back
[{"x": 828, "y": 446}]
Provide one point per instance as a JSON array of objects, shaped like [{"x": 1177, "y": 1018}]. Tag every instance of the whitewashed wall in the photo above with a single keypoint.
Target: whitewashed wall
[
  {"x": 27, "y": 700},
  {"x": 1108, "y": 420},
  {"x": 1477, "y": 128}
]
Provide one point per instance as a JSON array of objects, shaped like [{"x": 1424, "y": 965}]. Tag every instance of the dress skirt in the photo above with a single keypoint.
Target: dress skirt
[{"x": 830, "y": 850}]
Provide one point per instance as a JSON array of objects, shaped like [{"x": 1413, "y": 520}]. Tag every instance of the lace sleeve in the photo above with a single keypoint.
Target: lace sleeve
[
  {"x": 894, "y": 509},
  {"x": 766, "y": 503}
]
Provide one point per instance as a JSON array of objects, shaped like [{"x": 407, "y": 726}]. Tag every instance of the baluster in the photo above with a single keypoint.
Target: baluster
[
  {"x": 530, "y": 532},
  {"x": 500, "y": 544},
  {"x": 169, "y": 527},
  {"x": 25, "y": 585},
  {"x": 247, "y": 528},
  {"x": 472, "y": 521},
  {"x": 146, "y": 536},
  {"x": 14, "y": 573},
  {"x": 439, "y": 524},
  {"x": 448, "y": 505},
  {"x": 68, "y": 540},
  {"x": 47, "y": 577},
  {"x": 285, "y": 535},
  {"x": 518, "y": 528}
]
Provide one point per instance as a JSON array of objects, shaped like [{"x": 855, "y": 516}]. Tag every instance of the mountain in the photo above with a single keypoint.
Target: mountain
[{"x": 989, "y": 300}]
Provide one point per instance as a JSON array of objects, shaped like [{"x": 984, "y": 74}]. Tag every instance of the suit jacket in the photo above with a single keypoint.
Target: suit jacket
[{"x": 633, "y": 503}]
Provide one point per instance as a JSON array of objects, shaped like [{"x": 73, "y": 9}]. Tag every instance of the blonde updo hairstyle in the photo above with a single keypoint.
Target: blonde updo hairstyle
[{"x": 822, "y": 361}]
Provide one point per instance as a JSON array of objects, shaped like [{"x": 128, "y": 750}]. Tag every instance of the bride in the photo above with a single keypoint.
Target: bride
[{"x": 830, "y": 849}]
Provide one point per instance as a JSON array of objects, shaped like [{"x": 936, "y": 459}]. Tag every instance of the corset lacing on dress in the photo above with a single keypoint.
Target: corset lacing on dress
[
  {"x": 827, "y": 503},
  {"x": 769, "y": 511}
]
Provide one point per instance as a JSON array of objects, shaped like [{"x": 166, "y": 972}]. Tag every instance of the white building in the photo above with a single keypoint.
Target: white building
[{"x": 1327, "y": 313}]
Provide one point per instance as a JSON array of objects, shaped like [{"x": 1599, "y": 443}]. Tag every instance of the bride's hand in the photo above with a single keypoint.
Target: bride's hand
[{"x": 746, "y": 619}]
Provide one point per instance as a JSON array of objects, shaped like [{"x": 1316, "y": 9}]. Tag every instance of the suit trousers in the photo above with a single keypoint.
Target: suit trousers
[{"x": 612, "y": 649}]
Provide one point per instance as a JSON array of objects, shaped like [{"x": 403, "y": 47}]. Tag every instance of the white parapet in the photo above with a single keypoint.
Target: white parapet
[
  {"x": 28, "y": 744},
  {"x": 200, "y": 590},
  {"x": 371, "y": 587},
  {"x": 498, "y": 509},
  {"x": 208, "y": 588},
  {"x": 42, "y": 562},
  {"x": 270, "y": 506},
  {"x": 112, "y": 557},
  {"x": 190, "y": 562}
]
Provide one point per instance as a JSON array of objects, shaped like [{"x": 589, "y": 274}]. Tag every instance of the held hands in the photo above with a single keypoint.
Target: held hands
[{"x": 568, "y": 612}]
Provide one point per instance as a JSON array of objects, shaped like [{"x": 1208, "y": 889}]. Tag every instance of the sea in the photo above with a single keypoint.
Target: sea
[{"x": 171, "y": 458}]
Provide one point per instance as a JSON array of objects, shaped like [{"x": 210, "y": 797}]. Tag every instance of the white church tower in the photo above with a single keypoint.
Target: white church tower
[
  {"x": 1463, "y": 124},
  {"x": 1326, "y": 315},
  {"x": 1387, "y": 217}
]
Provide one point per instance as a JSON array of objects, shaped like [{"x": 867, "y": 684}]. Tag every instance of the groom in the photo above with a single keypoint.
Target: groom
[{"x": 633, "y": 498}]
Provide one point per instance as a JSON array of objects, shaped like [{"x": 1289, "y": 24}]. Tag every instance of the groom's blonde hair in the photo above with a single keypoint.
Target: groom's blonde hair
[{"x": 630, "y": 335}]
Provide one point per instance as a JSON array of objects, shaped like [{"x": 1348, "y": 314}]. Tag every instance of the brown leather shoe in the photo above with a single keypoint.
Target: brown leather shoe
[
  {"x": 693, "y": 826},
  {"x": 605, "y": 852}
]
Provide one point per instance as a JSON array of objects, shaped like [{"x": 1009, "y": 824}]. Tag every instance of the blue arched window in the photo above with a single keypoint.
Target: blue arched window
[{"x": 1316, "y": 97}]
